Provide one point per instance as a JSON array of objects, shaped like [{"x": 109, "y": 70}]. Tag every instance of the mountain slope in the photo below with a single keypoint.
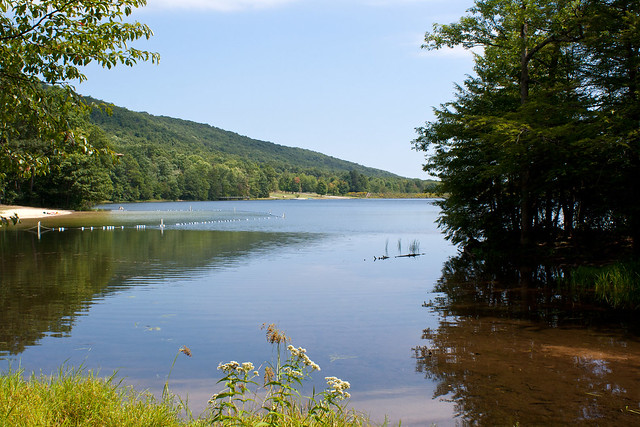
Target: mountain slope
[{"x": 128, "y": 127}]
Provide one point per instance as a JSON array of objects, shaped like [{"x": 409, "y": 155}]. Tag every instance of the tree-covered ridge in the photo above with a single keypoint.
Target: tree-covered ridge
[
  {"x": 130, "y": 128},
  {"x": 172, "y": 159},
  {"x": 168, "y": 158}
]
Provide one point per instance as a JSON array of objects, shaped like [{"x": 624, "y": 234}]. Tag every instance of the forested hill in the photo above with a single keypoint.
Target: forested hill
[
  {"x": 128, "y": 127},
  {"x": 162, "y": 158}
]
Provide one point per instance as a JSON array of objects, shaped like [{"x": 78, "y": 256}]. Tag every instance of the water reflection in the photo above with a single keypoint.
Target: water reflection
[
  {"x": 509, "y": 349},
  {"x": 47, "y": 283}
]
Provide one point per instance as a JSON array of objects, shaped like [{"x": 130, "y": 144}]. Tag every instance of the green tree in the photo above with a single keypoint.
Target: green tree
[
  {"x": 524, "y": 44},
  {"x": 322, "y": 187},
  {"x": 47, "y": 42},
  {"x": 611, "y": 74},
  {"x": 357, "y": 181},
  {"x": 127, "y": 179},
  {"x": 308, "y": 183},
  {"x": 196, "y": 182},
  {"x": 516, "y": 146}
]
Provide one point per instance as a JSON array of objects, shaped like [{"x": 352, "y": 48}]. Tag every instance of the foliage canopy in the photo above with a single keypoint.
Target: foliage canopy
[
  {"x": 45, "y": 43},
  {"x": 543, "y": 142}
]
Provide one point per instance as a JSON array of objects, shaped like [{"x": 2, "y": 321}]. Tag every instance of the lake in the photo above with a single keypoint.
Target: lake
[{"x": 122, "y": 290}]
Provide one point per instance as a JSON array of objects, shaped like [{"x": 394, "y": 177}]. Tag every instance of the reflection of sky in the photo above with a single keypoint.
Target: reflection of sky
[
  {"x": 337, "y": 216},
  {"x": 597, "y": 367},
  {"x": 358, "y": 318}
]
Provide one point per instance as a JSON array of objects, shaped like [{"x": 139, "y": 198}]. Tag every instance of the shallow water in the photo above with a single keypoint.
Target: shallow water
[{"x": 413, "y": 345}]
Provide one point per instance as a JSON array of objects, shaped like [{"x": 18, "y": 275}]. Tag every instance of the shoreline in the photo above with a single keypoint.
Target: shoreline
[{"x": 26, "y": 212}]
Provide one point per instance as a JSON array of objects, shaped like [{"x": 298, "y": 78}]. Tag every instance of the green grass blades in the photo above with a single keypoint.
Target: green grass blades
[{"x": 75, "y": 397}]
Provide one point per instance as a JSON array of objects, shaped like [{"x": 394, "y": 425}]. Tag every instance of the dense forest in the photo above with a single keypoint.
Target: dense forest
[
  {"x": 138, "y": 156},
  {"x": 542, "y": 144}
]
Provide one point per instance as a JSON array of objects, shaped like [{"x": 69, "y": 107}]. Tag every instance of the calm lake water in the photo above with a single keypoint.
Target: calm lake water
[{"x": 423, "y": 339}]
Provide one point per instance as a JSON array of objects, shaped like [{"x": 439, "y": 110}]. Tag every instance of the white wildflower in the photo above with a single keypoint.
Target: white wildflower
[
  {"x": 293, "y": 373},
  {"x": 246, "y": 367},
  {"x": 300, "y": 354},
  {"x": 228, "y": 367},
  {"x": 338, "y": 387}
]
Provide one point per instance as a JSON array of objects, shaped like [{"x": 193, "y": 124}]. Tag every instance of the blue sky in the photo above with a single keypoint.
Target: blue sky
[{"x": 345, "y": 78}]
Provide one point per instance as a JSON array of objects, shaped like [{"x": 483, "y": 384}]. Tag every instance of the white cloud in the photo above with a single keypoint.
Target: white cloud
[{"x": 216, "y": 5}]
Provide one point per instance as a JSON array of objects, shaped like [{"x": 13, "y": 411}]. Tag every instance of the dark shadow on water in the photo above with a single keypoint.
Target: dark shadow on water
[{"x": 513, "y": 346}]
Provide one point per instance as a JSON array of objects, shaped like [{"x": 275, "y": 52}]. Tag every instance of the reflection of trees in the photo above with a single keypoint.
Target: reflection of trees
[
  {"x": 45, "y": 284},
  {"x": 510, "y": 348}
]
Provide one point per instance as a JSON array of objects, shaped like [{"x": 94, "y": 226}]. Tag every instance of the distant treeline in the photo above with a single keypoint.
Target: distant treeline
[
  {"x": 146, "y": 172},
  {"x": 136, "y": 156}
]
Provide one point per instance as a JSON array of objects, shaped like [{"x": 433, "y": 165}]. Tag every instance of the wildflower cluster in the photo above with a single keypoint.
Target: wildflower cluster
[
  {"x": 337, "y": 388},
  {"x": 281, "y": 395},
  {"x": 233, "y": 402},
  {"x": 234, "y": 366},
  {"x": 301, "y": 355},
  {"x": 279, "y": 401},
  {"x": 292, "y": 372}
]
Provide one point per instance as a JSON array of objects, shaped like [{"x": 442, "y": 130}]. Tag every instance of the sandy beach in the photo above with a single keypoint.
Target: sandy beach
[{"x": 25, "y": 212}]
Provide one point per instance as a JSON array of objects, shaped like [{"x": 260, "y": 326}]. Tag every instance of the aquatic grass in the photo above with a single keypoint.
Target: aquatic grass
[
  {"x": 414, "y": 247},
  {"x": 76, "y": 397},
  {"x": 187, "y": 352},
  {"x": 617, "y": 284},
  {"x": 414, "y": 250}
]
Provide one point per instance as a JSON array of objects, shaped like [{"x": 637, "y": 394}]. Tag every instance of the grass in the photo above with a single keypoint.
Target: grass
[
  {"x": 414, "y": 247},
  {"x": 617, "y": 284},
  {"x": 76, "y": 397}
]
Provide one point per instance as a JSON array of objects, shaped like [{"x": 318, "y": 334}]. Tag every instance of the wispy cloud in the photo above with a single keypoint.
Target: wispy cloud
[{"x": 216, "y": 5}]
